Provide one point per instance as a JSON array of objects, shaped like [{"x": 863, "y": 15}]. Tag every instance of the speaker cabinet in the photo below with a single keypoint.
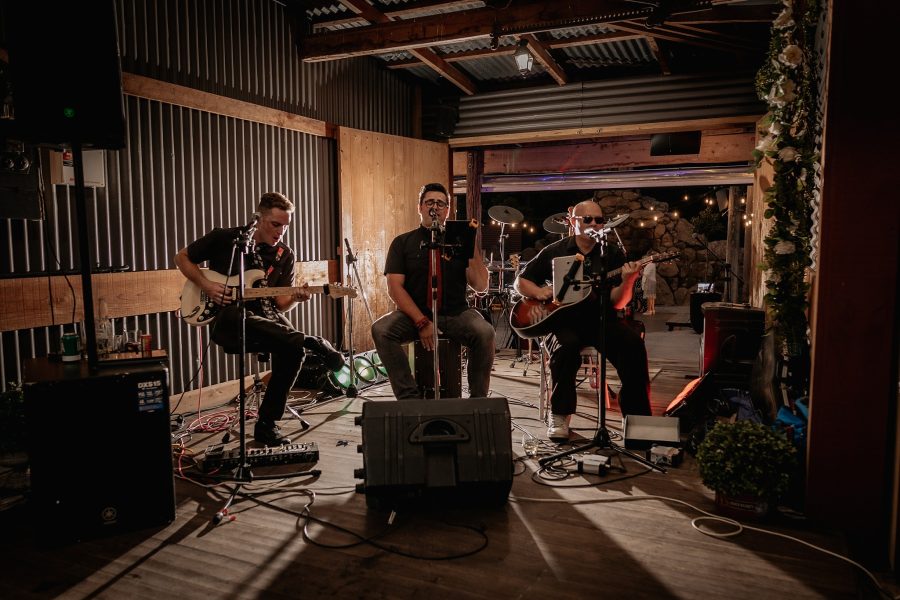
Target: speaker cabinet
[
  {"x": 667, "y": 144},
  {"x": 65, "y": 72},
  {"x": 99, "y": 446},
  {"x": 698, "y": 299},
  {"x": 732, "y": 334},
  {"x": 451, "y": 450}
]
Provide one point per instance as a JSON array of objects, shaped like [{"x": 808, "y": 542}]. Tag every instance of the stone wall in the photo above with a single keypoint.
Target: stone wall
[{"x": 652, "y": 225}]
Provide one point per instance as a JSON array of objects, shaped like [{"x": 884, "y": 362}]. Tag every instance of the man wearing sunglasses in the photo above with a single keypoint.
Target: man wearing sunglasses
[
  {"x": 407, "y": 268},
  {"x": 581, "y": 327}
]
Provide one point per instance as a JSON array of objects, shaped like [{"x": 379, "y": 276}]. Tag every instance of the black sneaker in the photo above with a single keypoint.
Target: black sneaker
[
  {"x": 269, "y": 434},
  {"x": 333, "y": 359}
]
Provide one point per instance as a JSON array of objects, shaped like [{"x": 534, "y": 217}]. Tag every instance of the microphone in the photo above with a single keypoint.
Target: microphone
[
  {"x": 254, "y": 220},
  {"x": 350, "y": 257}
]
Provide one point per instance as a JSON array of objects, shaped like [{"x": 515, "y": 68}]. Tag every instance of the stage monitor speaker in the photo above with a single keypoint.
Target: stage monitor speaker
[
  {"x": 732, "y": 334},
  {"x": 455, "y": 451},
  {"x": 99, "y": 446},
  {"x": 682, "y": 142},
  {"x": 641, "y": 432},
  {"x": 66, "y": 74}
]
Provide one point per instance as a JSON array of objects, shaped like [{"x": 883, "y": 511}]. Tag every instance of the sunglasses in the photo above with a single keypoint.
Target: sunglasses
[
  {"x": 588, "y": 219},
  {"x": 435, "y": 203}
]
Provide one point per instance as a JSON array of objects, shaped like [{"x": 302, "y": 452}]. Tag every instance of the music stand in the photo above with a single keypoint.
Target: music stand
[{"x": 602, "y": 439}]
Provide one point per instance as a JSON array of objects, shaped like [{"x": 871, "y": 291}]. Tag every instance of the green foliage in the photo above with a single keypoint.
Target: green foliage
[
  {"x": 746, "y": 458},
  {"x": 787, "y": 82},
  {"x": 12, "y": 419}
]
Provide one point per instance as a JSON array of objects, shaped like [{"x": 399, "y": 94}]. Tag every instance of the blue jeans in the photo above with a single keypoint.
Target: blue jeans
[{"x": 468, "y": 328}]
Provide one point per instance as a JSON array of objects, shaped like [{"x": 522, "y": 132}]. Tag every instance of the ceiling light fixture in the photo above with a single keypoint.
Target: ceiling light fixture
[{"x": 524, "y": 59}]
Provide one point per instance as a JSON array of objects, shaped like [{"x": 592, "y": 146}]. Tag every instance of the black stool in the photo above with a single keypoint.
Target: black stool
[{"x": 450, "y": 357}]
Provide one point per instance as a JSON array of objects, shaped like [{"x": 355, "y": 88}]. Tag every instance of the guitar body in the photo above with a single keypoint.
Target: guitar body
[
  {"x": 531, "y": 318},
  {"x": 198, "y": 309}
]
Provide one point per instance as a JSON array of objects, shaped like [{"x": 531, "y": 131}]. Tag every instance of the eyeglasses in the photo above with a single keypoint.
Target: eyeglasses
[
  {"x": 588, "y": 219},
  {"x": 435, "y": 203}
]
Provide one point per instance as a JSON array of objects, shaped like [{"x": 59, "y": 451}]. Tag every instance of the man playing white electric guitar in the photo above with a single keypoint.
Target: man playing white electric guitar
[
  {"x": 267, "y": 330},
  {"x": 581, "y": 325}
]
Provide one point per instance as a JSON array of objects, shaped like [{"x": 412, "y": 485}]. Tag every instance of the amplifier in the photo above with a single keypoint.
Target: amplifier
[
  {"x": 216, "y": 457},
  {"x": 99, "y": 446}
]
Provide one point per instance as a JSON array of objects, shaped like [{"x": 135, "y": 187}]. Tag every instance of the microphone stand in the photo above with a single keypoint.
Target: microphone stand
[
  {"x": 727, "y": 266},
  {"x": 352, "y": 390},
  {"x": 602, "y": 439},
  {"x": 242, "y": 474},
  {"x": 435, "y": 265}
]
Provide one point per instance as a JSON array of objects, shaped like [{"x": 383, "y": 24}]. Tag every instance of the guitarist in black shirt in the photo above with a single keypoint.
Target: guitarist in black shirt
[
  {"x": 581, "y": 326},
  {"x": 267, "y": 330}
]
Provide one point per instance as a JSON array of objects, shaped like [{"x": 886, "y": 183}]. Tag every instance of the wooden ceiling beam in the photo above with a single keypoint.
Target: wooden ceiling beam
[
  {"x": 426, "y": 55},
  {"x": 540, "y": 54},
  {"x": 526, "y": 16}
]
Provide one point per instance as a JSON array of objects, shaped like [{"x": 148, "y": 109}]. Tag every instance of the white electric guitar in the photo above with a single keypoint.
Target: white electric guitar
[{"x": 198, "y": 309}]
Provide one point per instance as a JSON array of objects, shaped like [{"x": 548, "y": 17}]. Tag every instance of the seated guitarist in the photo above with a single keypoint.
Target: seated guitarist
[
  {"x": 578, "y": 326},
  {"x": 267, "y": 330}
]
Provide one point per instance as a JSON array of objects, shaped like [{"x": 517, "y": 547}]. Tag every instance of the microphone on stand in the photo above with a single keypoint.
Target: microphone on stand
[{"x": 254, "y": 220}]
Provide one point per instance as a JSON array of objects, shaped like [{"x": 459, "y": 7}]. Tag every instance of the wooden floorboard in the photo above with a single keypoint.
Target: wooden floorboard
[{"x": 625, "y": 535}]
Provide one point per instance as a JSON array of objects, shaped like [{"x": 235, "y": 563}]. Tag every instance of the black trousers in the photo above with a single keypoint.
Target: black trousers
[
  {"x": 624, "y": 349},
  {"x": 279, "y": 338}
]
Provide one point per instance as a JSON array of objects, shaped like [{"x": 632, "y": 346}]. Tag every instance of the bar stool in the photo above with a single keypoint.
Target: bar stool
[
  {"x": 255, "y": 394},
  {"x": 590, "y": 362}
]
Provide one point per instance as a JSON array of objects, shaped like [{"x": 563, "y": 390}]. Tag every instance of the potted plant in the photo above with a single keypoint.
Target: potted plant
[{"x": 747, "y": 464}]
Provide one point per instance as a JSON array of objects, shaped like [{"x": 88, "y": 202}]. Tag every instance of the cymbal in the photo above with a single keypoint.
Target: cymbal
[
  {"x": 556, "y": 223},
  {"x": 616, "y": 221},
  {"x": 505, "y": 214}
]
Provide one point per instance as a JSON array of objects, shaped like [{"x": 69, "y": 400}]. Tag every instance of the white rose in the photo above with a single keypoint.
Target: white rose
[
  {"x": 775, "y": 128},
  {"x": 784, "y": 19},
  {"x": 788, "y": 154},
  {"x": 767, "y": 144},
  {"x": 784, "y": 247},
  {"x": 774, "y": 98},
  {"x": 791, "y": 56}
]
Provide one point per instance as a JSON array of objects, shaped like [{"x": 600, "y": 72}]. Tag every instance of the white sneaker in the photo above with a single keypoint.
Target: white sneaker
[{"x": 559, "y": 427}]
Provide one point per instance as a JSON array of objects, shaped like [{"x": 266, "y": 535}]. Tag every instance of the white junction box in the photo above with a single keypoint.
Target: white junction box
[{"x": 62, "y": 167}]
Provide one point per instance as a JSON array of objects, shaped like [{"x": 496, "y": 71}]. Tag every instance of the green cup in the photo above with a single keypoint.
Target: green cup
[{"x": 71, "y": 347}]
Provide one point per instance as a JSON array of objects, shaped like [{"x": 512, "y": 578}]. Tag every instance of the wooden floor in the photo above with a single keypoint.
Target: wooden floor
[{"x": 626, "y": 535}]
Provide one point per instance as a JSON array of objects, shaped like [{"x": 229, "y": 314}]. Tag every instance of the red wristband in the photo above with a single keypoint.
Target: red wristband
[{"x": 422, "y": 323}]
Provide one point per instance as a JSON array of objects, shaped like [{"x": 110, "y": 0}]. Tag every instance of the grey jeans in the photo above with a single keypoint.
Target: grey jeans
[{"x": 468, "y": 328}]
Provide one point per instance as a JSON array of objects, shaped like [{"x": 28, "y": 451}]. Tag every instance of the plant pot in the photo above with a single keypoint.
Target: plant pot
[{"x": 742, "y": 507}]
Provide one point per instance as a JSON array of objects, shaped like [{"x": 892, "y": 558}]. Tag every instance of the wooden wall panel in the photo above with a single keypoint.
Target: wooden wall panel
[
  {"x": 759, "y": 229},
  {"x": 30, "y": 302},
  {"x": 715, "y": 147},
  {"x": 380, "y": 178}
]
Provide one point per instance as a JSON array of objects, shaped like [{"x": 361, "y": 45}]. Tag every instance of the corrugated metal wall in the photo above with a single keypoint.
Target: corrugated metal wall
[
  {"x": 604, "y": 103},
  {"x": 185, "y": 171}
]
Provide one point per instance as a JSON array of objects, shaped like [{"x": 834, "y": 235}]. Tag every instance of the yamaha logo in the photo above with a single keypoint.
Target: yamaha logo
[{"x": 109, "y": 515}]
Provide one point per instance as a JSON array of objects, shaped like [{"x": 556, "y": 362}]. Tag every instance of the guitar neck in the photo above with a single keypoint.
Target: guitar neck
[
  {"x": 642, "y": 262},
  {"x": 269, "y": 292}
]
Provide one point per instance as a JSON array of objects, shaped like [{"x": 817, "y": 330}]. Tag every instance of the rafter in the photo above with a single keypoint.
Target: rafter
[
  {"x": 540, "y": 54},
  {"x": 426, "y": 55}
]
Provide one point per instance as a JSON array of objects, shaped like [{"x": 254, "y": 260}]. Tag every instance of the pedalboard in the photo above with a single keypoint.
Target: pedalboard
[{"x": 216, "y": 457}]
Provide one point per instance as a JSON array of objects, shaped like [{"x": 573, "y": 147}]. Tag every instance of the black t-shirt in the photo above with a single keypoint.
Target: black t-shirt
[
  {"x": 276, "y": 263},
  {"x": 409, "y": 256},
  {"x": 539, "y": 270}
]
